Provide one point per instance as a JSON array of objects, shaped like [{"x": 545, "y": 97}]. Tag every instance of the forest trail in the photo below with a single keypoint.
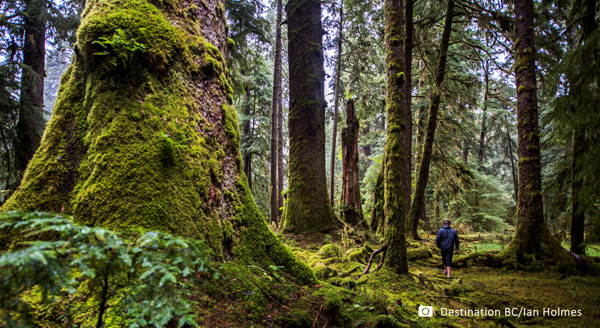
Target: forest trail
[{"x": 382, "y": 296}]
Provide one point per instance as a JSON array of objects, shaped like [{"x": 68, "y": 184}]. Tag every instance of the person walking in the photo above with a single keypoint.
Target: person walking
[{"x": 447, "y": 240}]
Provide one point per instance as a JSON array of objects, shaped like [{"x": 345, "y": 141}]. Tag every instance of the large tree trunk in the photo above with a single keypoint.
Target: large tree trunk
[
  {"x": 396, "y": 167},
  {"x": 30, "y": 126},
  {"x": 153, "y": 142},
  {"x": 532, "y": 231},
  {"x": 307, "y": 208},
  {"x": 275, "y": 109},
  {"x": 579, "y": 149},
  {"x": 351, "y": 211},
  {"x": 416, "y": 210},
  {"x": 336, "y": 103}
]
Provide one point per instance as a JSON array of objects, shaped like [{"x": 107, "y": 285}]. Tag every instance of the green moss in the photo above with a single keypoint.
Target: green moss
[
  {"x": 212, "y": 66},
  {"x": 150, "y": 149},
  {"x": 346, "y": 282},
  {"x": 330, "y": 250},
  {"x": 418, "y": 254},
  {"x": 386, "y": 321},
  {"x": 324, "y": 272}
]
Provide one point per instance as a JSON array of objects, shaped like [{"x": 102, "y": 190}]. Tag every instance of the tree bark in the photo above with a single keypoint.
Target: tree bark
[
  {"x": 408, "y": 46},
  {"x": 336, "y": 102},
  {"x": 280, "y": 175},
  {"x": 30, "y": 126},
  {"x": 154, "y": 144},
  {"x": 416, "y": 211},
  {"x": 351, "y": 211},
  {"x": 579, "y": 150},
  {"x": 532, "y": 231},
  {"x": 275, "y": 116},
  {"x": 396, "y": 182},
  {"x": 308, "y": 207},
  {"x": 512, "y": 161},
  {"x": 246, "y": 135},
  {"x": 483, "y": 116},
  {"x": 8, "y": 162},
  {"x": 577, "y": 214}
]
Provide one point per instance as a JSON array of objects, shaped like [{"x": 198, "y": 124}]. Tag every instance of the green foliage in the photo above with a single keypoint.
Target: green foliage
[
  {"x": 131, "y": 279},
  {"x": 120, "y": 48}
]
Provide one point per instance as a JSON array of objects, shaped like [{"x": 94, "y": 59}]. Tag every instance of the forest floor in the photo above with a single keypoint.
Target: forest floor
[{"x": 253, "y": 297}]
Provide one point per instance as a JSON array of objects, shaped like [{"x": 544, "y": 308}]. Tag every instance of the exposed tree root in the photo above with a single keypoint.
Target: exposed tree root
[{"x": 382, "y": 249}]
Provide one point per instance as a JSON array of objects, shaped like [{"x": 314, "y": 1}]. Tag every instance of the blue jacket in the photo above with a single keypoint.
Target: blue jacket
[{"x": 447, "y": 239}]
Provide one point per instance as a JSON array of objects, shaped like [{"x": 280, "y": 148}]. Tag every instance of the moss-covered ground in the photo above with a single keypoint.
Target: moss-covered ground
[{"x": 249, "y": 296}]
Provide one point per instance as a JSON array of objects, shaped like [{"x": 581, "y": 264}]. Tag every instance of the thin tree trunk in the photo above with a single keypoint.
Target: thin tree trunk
[
  {"x": 396, "y": 182},
  {"x": 8, "y": 162},
  {"x": 246, "y": 136},
  {"x": 436, "y": 207},
  {"x": 103, "y": 301},
  {"x": 275, "y": 109},
  {"x": 336, "y": 102},
  {"x": 577, "y": 214},
  {"x": 483, "y": 117},
  {"x": 280, "y": 167},
  {"x": 367, "y": 148},
  {"x": 420, "y": 130},
  {"x": 424, "y": 163},
  {"x": 512, "y": 161},
  {"x": 308, "y": 208},
  {"x": 30, "y": 126},
  {"x": 351, "y": 211},
  {"x": 408, "y": 46},
  {"x": 465, "y": 152}
]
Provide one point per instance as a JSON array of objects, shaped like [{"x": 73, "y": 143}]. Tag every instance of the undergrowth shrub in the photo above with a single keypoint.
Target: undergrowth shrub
[{"x": 90, "y": 276}]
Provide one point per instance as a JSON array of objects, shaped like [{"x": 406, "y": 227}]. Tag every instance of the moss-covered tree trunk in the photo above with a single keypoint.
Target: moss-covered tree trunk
[
  {"x": 30, "y": 126},
  {"x": 351, "y": 211},
  {"x": 417, "y": 207},
  {"x": 376, "y": 222},
  {"x": 275, "y": 109},
  {"x": 147, "y": 137},
  {"x": 307, "y": 207},
  {"x": 532, "y": 231},
  {"x": 580, "y": 145},
  {"x": 396, "y": 167}
]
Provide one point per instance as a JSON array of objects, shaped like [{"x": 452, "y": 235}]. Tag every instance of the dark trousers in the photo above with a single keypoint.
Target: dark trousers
[{"x": 447, "y": 258}]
